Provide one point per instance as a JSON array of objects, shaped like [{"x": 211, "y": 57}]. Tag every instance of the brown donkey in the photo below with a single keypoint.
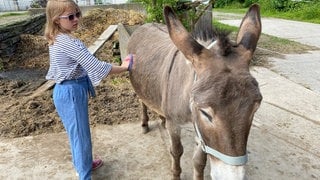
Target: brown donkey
[{"x": 202, "y": 78}]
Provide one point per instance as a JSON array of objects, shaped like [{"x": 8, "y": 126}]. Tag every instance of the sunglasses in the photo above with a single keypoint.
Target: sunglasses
[{"x": 71, "y": 16}]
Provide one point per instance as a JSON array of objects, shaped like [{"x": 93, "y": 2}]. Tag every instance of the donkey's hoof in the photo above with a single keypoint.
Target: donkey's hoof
[{"x": 145, "y": 129}]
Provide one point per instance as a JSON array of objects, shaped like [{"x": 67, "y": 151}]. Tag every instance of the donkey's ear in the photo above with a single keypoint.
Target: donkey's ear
[
  {"x": 250, "y": 29},
  {"x": 180, "y": 36}
]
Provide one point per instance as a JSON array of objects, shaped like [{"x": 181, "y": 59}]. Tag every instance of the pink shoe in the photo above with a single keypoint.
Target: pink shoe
[{"x": 96, "y": 164}]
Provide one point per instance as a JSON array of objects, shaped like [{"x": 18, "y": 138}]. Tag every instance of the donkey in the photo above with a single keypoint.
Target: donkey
[{"x": 201, "y": 78}]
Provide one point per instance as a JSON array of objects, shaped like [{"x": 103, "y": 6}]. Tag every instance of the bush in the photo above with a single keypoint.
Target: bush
[
  {"x": 38, "y": 4},
  {"x": 240, "y": 3},
  {"x": 154, "y": 8},
  {"x": 222, "y": 3},
  {"x": 247, "y": 3},
  {"x": 187, "y": 11},
  {"x": 308, "y": 10},
  {"x": 279, "y": 4}
]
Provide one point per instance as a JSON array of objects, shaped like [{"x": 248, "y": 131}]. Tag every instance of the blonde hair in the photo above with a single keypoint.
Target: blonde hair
[{"x": 53, "y": 10}]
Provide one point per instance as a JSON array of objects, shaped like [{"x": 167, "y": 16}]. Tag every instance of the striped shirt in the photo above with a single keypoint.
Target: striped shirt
[{"x": 70, "y": 59}]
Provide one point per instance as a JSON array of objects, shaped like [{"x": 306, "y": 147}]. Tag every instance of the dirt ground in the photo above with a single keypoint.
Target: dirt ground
[{"x": 116, "y": 102}]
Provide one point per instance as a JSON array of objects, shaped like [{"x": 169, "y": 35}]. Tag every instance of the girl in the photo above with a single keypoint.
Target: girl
[{"x": 75, "y": 71}]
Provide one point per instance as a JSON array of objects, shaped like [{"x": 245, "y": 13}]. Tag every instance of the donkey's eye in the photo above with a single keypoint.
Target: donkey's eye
[{"x": 206, "y": 114}]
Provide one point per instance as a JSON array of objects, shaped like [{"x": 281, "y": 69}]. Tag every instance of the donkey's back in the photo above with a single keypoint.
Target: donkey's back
[{"x": 156, "y": 61}]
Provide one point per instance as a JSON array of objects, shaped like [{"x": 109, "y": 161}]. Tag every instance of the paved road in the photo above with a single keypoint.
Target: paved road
[
  {"x": 300, "y": 68},
  {"x": 305, "y": 33},
  {"x": 283, "y": 143}
]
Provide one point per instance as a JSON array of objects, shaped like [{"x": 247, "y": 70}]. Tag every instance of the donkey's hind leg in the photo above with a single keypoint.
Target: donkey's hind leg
[{"x": 145, "y": 118}]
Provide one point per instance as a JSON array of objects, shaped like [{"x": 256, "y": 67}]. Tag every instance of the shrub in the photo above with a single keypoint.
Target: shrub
[
  {"x": 154, "y": 8},
  {"x": 247, "y": 3},
  {"x": 38, "y": 4},
  {"x": 242, "y": 3},
  {"x": 279, "y": 4},
  {"x": 187, "y": 11}
]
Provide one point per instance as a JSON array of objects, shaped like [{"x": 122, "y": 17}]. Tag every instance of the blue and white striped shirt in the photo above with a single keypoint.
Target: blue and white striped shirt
[{"x": 70, "y": 59}]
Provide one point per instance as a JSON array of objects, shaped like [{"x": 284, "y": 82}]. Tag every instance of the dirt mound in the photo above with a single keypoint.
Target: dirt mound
[
  {"x": 115, "y": 103},
  {"x": 32, "y": 51}
]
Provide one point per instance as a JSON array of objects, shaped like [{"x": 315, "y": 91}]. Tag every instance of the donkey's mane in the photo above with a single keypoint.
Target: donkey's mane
[
  {"x": 205, "y": 32},
  {"x": 224, "y": 42}
]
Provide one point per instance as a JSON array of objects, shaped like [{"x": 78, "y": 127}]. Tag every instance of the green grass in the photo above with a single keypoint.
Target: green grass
[
  {"x": 14, "y": 14},
  {"x": 307, "y": 12},
  {"x": 231, "y": 10},
  {"x": 272, "y": 43},
  {"x": 226, "y": 27}
]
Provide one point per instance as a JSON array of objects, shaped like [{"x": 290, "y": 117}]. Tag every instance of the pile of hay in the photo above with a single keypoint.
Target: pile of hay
[
  {"x": 32, "y": 51},
  {"x": 98, "y": 20}
]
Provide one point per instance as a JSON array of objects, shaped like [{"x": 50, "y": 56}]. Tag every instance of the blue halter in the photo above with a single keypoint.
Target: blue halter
[{"x": 231, "y": 160}]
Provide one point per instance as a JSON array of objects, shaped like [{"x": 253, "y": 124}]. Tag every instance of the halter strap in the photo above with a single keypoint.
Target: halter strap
[
  {"x": 231, "y": 160},
  {"x": 212, "y": 44}
]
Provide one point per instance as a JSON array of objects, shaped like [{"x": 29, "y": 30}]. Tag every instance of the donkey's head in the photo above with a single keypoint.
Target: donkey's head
[{"x": 224, "y": 95}]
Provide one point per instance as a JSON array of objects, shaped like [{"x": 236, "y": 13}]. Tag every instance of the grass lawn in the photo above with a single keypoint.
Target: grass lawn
[{"x": 309, "y": 12}]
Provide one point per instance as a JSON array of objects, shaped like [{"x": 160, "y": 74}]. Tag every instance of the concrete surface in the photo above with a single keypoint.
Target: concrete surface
[
  {"x": 300, "y": 68},
  {"x": 305, "y": 33},
  {"x": 283, "y": 143}
]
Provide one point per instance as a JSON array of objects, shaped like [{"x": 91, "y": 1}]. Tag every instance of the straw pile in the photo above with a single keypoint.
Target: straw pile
[{"x": 32, "y": 51}]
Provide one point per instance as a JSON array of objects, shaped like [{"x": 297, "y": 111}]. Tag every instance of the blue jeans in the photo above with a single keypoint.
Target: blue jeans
[{"x": 71, "y": 102}]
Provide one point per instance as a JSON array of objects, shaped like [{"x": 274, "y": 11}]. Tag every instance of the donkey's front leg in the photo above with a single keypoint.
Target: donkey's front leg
[
  {"x": 199, "y": 163},
  {"x": 176, "y": 148}
]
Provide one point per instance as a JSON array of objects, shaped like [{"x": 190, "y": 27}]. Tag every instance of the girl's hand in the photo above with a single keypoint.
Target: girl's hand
[{"x": 128, "y": 62}]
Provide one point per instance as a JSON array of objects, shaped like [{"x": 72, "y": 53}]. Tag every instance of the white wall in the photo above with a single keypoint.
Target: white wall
[
  {"x": 91, "y": 2},
  {"x": 118, "y": 1},
  {"x": 8, "y": 5}
]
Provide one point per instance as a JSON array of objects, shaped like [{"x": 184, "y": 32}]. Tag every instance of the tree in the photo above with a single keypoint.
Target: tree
[{"x": 188, "y": 12}]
